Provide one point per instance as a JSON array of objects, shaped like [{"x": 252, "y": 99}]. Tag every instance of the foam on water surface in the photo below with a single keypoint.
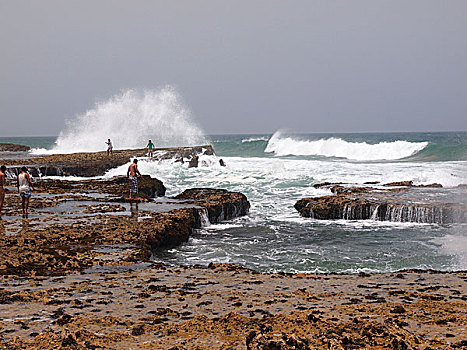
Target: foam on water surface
[{"x": 335, "y": 147}]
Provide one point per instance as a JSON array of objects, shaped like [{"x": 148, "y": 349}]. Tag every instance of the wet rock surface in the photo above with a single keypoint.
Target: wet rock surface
[
  {"x": 404, "y": 202},
  {"x": 220, "y": 204},
  {"x": 11, "y": 147},
  {"x": 227, "y": 307},
  {"x": 68, "y": 220},
  {"x": 97, "y": 163}
]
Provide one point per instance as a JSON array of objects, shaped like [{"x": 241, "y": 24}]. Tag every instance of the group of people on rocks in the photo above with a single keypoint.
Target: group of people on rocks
[
  {"x": 133, "y": 172},
  {"x": 24, "y": 185},
  {"x": 150, "y": 147}
]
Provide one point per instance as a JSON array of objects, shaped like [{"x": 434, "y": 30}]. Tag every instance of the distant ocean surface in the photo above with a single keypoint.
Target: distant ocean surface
[{"x": 276, "y": 170}]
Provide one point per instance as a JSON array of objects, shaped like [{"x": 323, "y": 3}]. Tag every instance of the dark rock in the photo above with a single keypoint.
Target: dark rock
[
  {"x": 362, "y": 203},
  {"x": 410, "y": 184},
  {"x": 148, "y": 187},
  {"x": 220, "y": 204},
  {"x": 64, "y": 319},
  {"x": 193, "y": 163},
  {"x": 325, "y": 184},
  {"x": 400, "y": 183},
  {"x": 398, "y": 310},
  {"x": 221, "y": 162},
  {"x": 137, "y": 330},
  {"x": 11, "y": 147}
]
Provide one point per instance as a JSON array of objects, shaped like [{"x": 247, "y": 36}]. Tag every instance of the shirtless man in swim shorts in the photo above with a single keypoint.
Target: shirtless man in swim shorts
[
  {"x": 2, "y": 189},
  {"x": 133, "y": 174}
]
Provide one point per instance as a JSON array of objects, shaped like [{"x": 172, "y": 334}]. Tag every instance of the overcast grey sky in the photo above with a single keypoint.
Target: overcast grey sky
[{"x": 240, "y": 66}]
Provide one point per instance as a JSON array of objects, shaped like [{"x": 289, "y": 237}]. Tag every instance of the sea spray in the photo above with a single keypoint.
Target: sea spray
[
  {"x": 130, "y": 119},
  {"x": 336, "y": 147}
]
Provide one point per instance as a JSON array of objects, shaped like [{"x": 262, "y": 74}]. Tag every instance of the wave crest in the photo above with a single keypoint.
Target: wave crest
[
  {"x": 336, "y": 147},
  {"x": 255, "y": 139},
  {"x": 130, "y": 119}
]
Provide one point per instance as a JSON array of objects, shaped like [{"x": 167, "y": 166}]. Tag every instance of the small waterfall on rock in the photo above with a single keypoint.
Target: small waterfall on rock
[
  {"x": 204, "y": 218},
  {"x": 364, "y": 210}
]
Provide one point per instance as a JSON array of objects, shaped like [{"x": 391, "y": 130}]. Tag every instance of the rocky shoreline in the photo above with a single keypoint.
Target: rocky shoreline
[
  {"x": 78, "y": 274},
  {"x": 228, "y": 307}
]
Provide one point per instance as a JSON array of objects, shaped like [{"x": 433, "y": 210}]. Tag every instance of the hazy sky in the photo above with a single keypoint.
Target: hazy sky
[{"x": 240, "y": 66}]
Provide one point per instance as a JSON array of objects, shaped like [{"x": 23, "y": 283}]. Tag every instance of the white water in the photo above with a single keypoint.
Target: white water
[
  {"x": 130, "y": 119},
  {"x": 254, "y": 139},
  {"x": 273, "y": 237},
  {"x": 336, "y": 147}
]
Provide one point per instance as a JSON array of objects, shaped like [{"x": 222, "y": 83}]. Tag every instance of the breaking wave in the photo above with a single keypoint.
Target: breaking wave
[
  {"x": 336, "y": 147},
  {"x": 255, "y": 139},
  {"x": 130, "y": 119}
]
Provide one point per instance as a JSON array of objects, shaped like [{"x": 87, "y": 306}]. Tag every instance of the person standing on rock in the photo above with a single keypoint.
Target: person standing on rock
[
  {"x": 150, "y": 148},
  {"x": 133, "y": 174},
  {"x": 2, "y": 189},
  {"x": 24, "y": 188},
  {"x": 109, "y": 147}
]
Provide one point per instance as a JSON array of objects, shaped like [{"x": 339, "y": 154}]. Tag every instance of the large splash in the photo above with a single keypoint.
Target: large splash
[
  {"x": 130, "y": 119},
  {"x": 335, "y": 147}
]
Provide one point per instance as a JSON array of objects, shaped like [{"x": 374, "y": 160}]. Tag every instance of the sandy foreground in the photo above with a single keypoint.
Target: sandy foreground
[{"x": 228, "y": 307}]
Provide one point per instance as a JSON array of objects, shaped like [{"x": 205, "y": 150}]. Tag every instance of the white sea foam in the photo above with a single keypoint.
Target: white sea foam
[
  {"x": 254, "y": 139},
  {"x": 455, "y": 243},
  {"x": 130, "y": 119},
  {"x": 336, "y": 147}
]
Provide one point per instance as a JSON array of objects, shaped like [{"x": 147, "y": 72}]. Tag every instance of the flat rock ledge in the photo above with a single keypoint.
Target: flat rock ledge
[
  {"x": 403, "y": 204},
  {"x": 77, "y": 225},
  {"x": 98, "y": 163}
]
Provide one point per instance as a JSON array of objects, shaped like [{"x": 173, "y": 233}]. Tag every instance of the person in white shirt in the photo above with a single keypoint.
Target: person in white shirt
[
  {"x": 24, "y": 188},
  {"x": 109, "y": 147}
]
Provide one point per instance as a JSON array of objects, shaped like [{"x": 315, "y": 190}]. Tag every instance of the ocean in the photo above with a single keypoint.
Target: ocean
[{"x": 276, "y": 170}]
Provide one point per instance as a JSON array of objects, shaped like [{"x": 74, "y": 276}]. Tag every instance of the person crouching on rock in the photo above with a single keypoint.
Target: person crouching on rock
[
  {"x": 133, "y": 174},
  {"x": 24, "y": 188},
  {"x": 2, "y": 189}
]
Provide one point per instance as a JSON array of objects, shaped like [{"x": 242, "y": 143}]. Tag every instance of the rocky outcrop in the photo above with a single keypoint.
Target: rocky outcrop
[
  {"x": 11, "y": 147},
  {"x": 117, "y": 186},
  {"x": 410, "y": 184},
  {"x": 76, "y": 164},
  {"x": 363, "y": 203},
  {"x": 148, "y": 187},
  {"x": 193, "y": 163},
  {"x": 97, "y": 163},
  {"x": 183, "y": 153},
  {"x": 219, "y": 203},
  {"x": 73, "y": 218}
]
